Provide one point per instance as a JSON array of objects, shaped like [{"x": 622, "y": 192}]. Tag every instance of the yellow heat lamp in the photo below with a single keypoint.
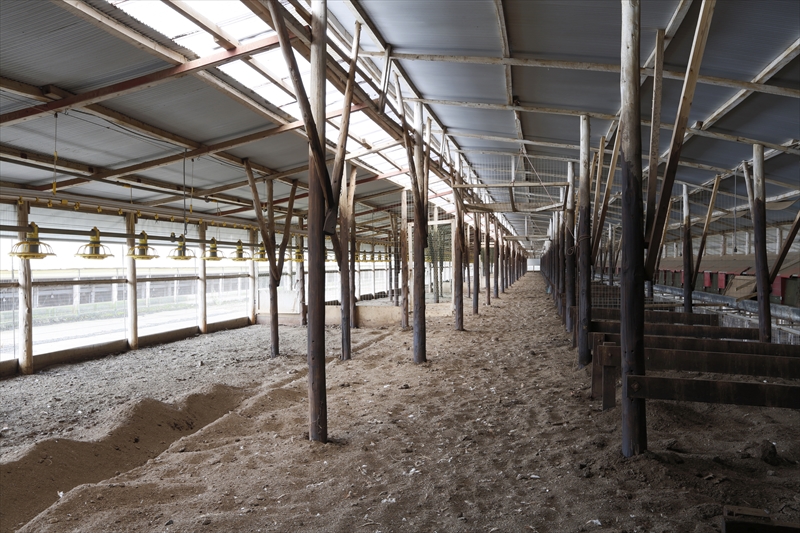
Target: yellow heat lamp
[
  {"x": 141, "y": 250},
  {"x": 298, "y": 256},
  {"x": 31, "y": 247},
  {"x": 94, "y": 250},
  {"x": 240, "y": 254},
  {"x": 261, "y": 254},
  {"x": 180, "y": 252},
  {"x": 212, "y": 254}
]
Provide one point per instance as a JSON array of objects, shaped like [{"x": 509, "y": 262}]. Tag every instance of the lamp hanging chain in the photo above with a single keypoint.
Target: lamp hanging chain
[{"x": 55, "y": 155}]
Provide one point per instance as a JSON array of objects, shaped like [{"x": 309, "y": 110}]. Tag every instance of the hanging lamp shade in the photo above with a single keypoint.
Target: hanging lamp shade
[
  {"x": 213, "y": 254},
  {"x": 239, "y": 254},
  {"x": 141, "y": 250},
  {"x": 180, "y": 252},
  {"x": 261, "y": 254},
  {"x": 31, "y": 247},
  {"x": 95, "y": 249},
  {"x": 298, "y": 256}
]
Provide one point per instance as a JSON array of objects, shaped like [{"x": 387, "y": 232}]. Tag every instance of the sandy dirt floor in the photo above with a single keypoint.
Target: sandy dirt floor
[{"x": 495, "y": 433}]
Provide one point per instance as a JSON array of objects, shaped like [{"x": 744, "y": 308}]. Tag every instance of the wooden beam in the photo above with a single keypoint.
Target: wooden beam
[
  {"x": 707, "y": 224},
  {"x": 688, "y": 262},
  {"x": 787, "y": 244},
  {"x": 592, "y": 67},
  {"x": 513, "y": 184},
  {"x": 655, "y": 132},
  {"x": 142, "y": 82},
  {"x": 598, "y": 227},
  {"x": 338, "y": 165},
  {"x": 597, "y": 176},
  {"x": 314, "y": 139},
  {"x": 687, "y": 95},
  {"x": 709, "y": 391}
]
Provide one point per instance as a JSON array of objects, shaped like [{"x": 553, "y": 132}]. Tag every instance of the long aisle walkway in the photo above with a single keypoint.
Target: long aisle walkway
[{"x": 495, "y": 433}]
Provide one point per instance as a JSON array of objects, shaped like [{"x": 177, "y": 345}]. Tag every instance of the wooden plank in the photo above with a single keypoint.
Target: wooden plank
[
  {"x": 709, "y": 391},
  {"x": 660, "y": 317},
  {"x": 662, "y": 359},
  {"x": 687, "y": 96},
  {"x": 705, "y": 344},
  {"x": 681, "y": 330}
]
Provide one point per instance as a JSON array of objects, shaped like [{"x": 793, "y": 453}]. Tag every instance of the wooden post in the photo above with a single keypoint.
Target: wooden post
[
  {"x": 611, "y": 255},
  {"x": 688, "y": 260},
  {"x": 496, "y": 259},
  {"x": 252, "y": 279},
  {"x": 634, "y": 427},
  {"x": 759, "y": 215},
  {"x": 562, "y": 262},
  {"x": 344, "y": 268},
  {"x": 301, "y": 275},
  {"x": 130, "y": 281},
  {"x": 487, "y": 262},
  {"x": 457, "y": 257},
  {"x": 433, "y": 246},
  {"x": 389, "y": 262},
  {"x": 584, "y": 250},
  {"x": 468, "y": 238},
  {"x": 420, "y": 238},
  {"x": 25, "y": 318},
  {"x": 569, "y": 245},
  {"x": 710, "y": 211},
  {"x": 655, "y": 132},
  {"x": 404, "y": 258},
  {"x": 787, "y": 244},
  {"x": 476, "y": 272},
  {"x": 317, "y": 398},
  {"x": 353, "y": 254},
  {"x": 678, "y": 131}
]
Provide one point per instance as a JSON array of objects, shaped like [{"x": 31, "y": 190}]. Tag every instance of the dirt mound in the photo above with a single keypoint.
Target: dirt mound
[{"x": 144, "y": 430}]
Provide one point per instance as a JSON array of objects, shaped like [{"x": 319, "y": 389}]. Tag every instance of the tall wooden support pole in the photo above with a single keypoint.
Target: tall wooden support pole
[
  {"x": 25, "y": 355},
  {"x": 584, "y": 250},
  {"x": 759, "y": 215},
  {"x": 301, "y": 275},
  {"x": 457, "y": 255},
  {"x": 420, "y": 239},
  {"x": 344, "y": 266},
  {"x": 252, "y": 279},
  {"x": 317, "y": 399},
  {"x": 130, "y": 281},
  {"x": 496, "y": 260},
  {"x": 501, "y": 266},
  {"x": 433, "y": 246},
  {"x": 389, "y": 260},
  {"x": 688, "y": 260},
  {"x": 562, "y": 261},
  {"x": 476, "y": 272},
  {"x": 467, "y": 240},
  {"x": 634, "y": 428},
  {"x": 404, "y": 258},
  {"x": 488, "y": 261},
  {"x": 352, "y": 259},
  {"x": 569, "y": 245}
]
